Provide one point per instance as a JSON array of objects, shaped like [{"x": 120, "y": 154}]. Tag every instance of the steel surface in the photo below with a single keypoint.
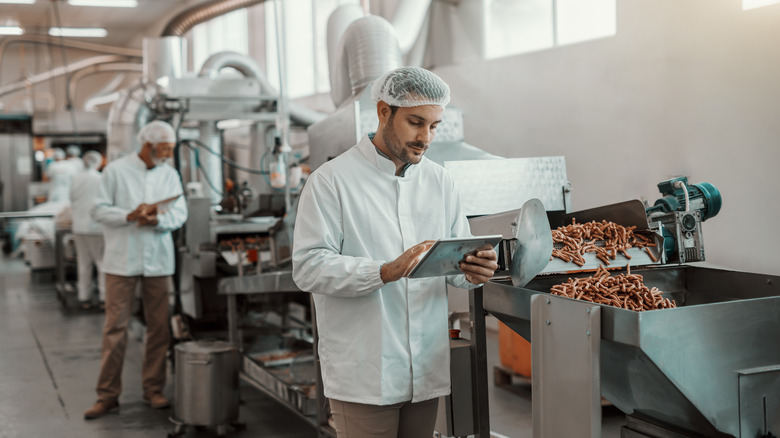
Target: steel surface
[
  {"x": 534, "y": 242},
  {"x": 678, "y": 366}
]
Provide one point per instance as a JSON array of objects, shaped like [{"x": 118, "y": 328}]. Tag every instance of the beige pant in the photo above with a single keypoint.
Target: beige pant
[
  {"x": 401, "y": 420},
  {"x": 120, "y": 292}
]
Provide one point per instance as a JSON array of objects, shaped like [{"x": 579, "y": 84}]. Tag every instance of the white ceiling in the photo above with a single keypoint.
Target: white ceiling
[{"x": 126, "y": 26}]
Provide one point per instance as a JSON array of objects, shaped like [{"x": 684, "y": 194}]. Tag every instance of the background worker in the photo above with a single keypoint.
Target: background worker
[
  {"x": 73, "y": 153},
  {"x": 138, "y": 247},
  {"x": 60, "y": 173},
  {"x": 87, "y": 234},
  {"x": 364, "y": 219}
]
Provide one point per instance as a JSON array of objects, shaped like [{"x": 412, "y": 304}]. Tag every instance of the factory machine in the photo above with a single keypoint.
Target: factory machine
[{"x": 709, "y": 367}]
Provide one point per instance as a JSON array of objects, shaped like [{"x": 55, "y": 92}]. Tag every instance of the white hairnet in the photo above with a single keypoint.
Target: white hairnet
[
  {"x": 59, "y": 154},
  {"x": 157, "y": 132},
  {"x": 410, "y": 86},
  {"x": 73, "y": 150},
  {"x": 92, "y": 159}
]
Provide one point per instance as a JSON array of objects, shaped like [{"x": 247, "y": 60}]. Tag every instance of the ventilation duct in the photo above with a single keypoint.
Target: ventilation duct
[
  {"x": 368, "y": 49},
  {"x": 189, "y": 18}
]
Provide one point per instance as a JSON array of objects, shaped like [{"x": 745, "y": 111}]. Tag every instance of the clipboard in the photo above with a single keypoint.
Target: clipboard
[
  {"x": 444, "y": 256},
  {"x": 167, "y": 200}
]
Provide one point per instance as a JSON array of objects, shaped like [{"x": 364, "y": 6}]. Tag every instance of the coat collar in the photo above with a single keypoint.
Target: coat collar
[{"x": 381, "y": 162}]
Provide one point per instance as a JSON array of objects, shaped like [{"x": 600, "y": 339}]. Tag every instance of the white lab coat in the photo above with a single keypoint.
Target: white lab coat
[
  {"x": 379, "y": 344},
  {"x": 83, "y": 189},
  {"x": 131, "y": 249},
  {"x": 87, "y": 234},
  {"x": 60, "y": 174}
]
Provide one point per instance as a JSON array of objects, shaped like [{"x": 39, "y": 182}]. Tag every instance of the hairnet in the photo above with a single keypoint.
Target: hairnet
[
  {"x": 410, "y": 86},
  {"x": 157, "y": 132},
  {"x": 92, "y": 159},
  {"x": 73, "y": 150},
  {"x": 59, "y": 154}
]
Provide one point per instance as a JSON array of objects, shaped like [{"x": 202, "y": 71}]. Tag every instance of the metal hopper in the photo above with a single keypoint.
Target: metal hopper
[{"x": 710, "y": 367}]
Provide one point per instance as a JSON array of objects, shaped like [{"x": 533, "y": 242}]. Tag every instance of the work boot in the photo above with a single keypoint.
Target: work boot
[
  {"x": 156, "y": 400},
  {"x": 100, "y": 408}
]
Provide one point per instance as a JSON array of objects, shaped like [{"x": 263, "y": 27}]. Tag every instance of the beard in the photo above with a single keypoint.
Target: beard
[
  {"x": 160, "y": 161},
  {"x": 404, "y": 153}
]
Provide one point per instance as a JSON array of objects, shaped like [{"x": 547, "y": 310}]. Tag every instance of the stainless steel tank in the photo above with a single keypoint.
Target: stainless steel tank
[{"x": 206, "y": 392}]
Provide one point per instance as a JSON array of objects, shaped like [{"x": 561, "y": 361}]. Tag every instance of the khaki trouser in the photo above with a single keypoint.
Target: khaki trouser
[
  {"x": 401, "y": 420},
  {"x": 120, "y": 292}
]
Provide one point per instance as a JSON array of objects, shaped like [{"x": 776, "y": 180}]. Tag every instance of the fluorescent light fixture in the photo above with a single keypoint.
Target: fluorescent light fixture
[
  {"x": 11, "y": 30},
  {"x": 87, "y": 32},
  {"x": 753, "y": 4},
  {"x": 105, "y": 3},
  {"x": 18, "y": 2}
]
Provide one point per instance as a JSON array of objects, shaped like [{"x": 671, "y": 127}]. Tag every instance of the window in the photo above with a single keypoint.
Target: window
[
  {"x": 305, "y": 27},
  {"x": 753, "y": 4},
  {"x": 224, "y": 33},
  {"x": 518, "y": 26}
]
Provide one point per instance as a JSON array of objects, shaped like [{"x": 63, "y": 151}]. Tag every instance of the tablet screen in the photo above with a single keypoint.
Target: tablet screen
[{"x": 445, "y": 254}]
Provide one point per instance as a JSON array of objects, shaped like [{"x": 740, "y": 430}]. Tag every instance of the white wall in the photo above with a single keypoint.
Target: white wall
[{"x": 685, "y": 88}]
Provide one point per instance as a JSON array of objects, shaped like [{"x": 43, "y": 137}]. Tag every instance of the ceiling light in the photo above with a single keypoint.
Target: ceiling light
[
  {"x": 105, "y": 3},
  {"x": 18, "y": 2},
  {"x": 87, "y": 32},
  {"x": 11, "y": 30}
]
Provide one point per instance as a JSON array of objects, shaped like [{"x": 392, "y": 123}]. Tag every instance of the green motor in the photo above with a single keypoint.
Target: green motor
[{"x": 678, "y": 195}]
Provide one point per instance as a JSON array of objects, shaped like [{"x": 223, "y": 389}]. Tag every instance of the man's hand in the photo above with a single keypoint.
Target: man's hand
[
  {"x": 144, "y": 214},
  {"x": 481, "y": 265},
  {"x": 403, "y": 265}
]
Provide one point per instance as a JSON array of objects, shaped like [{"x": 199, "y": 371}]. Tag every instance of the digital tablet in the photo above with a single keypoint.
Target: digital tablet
[{"x": 445, "y": 254}]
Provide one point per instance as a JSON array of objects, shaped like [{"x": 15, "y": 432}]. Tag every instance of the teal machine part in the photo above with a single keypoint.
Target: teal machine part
[
  {"x": 702, "y": 197},
  {"x": 704, "y": 202}
]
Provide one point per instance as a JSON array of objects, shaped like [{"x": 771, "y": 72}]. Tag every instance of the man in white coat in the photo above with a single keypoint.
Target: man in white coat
[
  {"x": 87, "y": 234},
  {"x": 138, "y": 203},
  {"x": 364, "y": 219}
]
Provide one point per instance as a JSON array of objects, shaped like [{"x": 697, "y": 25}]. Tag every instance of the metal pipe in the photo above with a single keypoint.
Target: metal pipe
[
  {"x": 107, "y": 94},
  {"x": 73, "y": 44},
  {"x": 59, "y": 71},
  {"x": 189, "y": 18},
  {"x": 100, "y": 68}
]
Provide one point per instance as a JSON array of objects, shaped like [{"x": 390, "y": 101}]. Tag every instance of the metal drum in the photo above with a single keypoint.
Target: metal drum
[{"x": 206, "y": 380}]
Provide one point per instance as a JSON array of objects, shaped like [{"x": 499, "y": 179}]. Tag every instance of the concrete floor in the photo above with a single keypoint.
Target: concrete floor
[{"x": 49, "y": 359}]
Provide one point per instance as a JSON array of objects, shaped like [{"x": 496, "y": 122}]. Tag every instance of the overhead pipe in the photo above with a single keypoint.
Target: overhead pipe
[
  {"x": 73, "y": 44},
  {"x": 107, "y": 94},
  {"x": 59, "y": 71},
  {"x": 100, "y": 68},
  {"x": 189, "y": 18},
  {"x": 247, "y": 66},
  {"x": 125, "y": 119}
]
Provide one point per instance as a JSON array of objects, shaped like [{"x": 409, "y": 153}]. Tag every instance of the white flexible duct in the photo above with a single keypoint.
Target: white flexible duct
[
  {"x": 107, "y": 94},
  {"x": 100, "y": 68},
  {"x": 248, "y": 67},
  {"x": 368, "y": 49},
  {"x": 408, "y": 22},
  {"x": 59, "y": 71},
  {"x": 93, "y": 102},
  {"x": 189, "y": 18},
  {"x": 338, "y": 22},
  {"x": 125, "y": 118}
]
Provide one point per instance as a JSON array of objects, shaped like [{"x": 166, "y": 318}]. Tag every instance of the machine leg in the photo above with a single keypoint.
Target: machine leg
[
  {"x": 565, "y": 341},
  {"x": 479, "y": 365}
]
